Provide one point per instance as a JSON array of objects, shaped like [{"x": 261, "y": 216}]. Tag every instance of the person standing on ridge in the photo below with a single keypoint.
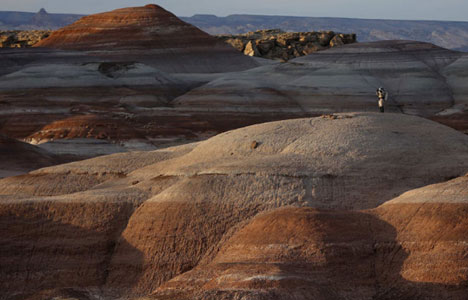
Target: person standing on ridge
[{"x": 383, "y": 96}]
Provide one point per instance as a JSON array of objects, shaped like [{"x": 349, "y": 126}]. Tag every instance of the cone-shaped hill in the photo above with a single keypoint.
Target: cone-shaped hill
[
  {"x": 150, "y": 26},
  {"x": 151, "y": 35}
]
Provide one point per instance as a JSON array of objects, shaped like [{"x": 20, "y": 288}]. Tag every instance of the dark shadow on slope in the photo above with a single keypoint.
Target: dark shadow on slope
[
  {"x": 42, "y": 255},
  {"x": 364, "y": 260},
  {"x": 331, "y": 255}
]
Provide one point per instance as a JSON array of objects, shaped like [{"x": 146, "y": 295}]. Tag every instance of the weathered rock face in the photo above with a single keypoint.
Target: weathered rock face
[
  {"x": 22, "y": 39},
  {"x": 276, "y": 44},
  {"x": 196, "y": 211}
]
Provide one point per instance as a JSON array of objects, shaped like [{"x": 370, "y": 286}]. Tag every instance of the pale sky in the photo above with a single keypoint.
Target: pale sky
[{"x": 456, "y": 10}]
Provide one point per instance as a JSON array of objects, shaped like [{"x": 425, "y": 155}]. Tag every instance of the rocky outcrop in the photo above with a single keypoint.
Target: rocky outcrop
[
  {"x": 276, "y": 44},
  {"x": 207, "y": 220},
  {"x": 22, "y": 39}
]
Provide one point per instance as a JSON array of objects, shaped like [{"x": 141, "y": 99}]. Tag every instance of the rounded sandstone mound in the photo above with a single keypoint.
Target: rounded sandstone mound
[
  {"x": 149, "y": 26},
  {"x": 355, "y": 160}
]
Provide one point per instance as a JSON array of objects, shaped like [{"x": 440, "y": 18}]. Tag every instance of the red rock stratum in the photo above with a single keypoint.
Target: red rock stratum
[
  {"x": 152, "y": 35},
  {"x": 150, "y": 26}
]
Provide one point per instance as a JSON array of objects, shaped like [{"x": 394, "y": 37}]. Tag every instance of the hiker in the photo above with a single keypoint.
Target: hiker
[{"x": 383, "y": 96}]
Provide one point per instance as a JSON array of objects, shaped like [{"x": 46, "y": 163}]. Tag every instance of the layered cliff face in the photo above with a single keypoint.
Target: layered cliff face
[{"x": 206, "y": 220}]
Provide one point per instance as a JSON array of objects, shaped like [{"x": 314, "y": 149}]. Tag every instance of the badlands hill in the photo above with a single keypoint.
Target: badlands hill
[
  {"x": 114, "y": 98},
  {"x": 138, "y": 105},
  {"x": 351, "y": 205},
  {"x": 139, "y": 79},
  {"x": 150, "y": 27},
  {"x": 148, "y": 34},
  {"x": 257, "y": 212},
  {"x": 421, "y": 79}
]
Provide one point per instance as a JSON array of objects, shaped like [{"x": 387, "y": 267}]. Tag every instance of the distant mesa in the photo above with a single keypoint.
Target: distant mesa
[{"x": 41, "y": 20}]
